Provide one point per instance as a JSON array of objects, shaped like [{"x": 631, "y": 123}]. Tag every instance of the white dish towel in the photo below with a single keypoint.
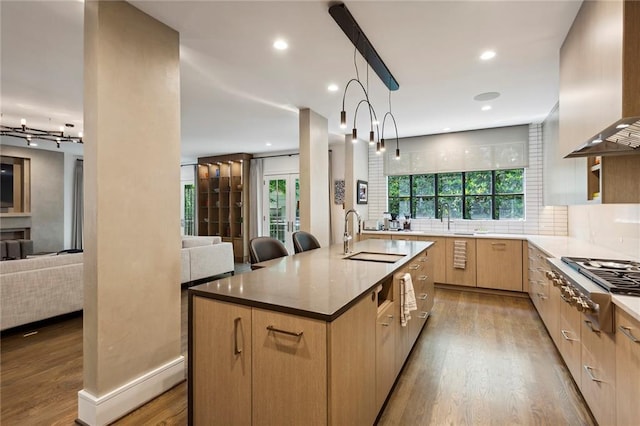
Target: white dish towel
[
  {"x": 460, "y": 254},
  {"x": 407, "y": 300}
]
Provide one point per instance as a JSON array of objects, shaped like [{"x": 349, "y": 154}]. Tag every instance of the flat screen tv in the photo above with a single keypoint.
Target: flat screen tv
[{"x": 6, "y": 186}]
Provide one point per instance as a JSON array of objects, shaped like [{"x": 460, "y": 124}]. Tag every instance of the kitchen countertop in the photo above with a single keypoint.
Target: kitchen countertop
[
  {"x": 318, "y": 284},
  {"x": 553, "y": 246}
]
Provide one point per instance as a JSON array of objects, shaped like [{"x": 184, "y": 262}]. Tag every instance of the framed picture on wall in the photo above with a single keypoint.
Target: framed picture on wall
[{"x": 362, "y": 189}]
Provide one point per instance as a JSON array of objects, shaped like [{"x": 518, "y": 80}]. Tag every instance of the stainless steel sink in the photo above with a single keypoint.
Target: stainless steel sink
[{"x": 369, "y": 256}]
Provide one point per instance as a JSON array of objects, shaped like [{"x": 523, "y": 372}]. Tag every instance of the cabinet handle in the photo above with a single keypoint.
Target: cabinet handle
[
  {"x": 423, "y": 296},
  {"x": 422, "y": 278},
  {"x": 424, "y": 315},
  {"x": 591, "y": 376},
  {"x": 387, "y": 324},
  {"x": 236, "y": 350},
  {"x": 590, "y": 325},
  {"x": 422, "y": 259},
  {"x": 414, "y": 267},
  {"x": 498, "y": 244},
  {"x": 627, "y": 332},
  {"x": 290, "y": 333},
  {"x": 564, "y": 334}
]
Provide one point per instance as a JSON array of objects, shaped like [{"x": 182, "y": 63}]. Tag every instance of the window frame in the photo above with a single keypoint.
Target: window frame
[{"x": 413, "y": 198}]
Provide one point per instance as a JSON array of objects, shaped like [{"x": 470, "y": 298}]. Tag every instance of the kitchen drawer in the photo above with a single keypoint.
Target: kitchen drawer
[
  {"x": 627, "y": 338},
  {"x": 295, "y": 365},
  {"x": 598, "y": 373},
  {"x": 569, "y": 341},
  {"x": 385, "y": 353}
]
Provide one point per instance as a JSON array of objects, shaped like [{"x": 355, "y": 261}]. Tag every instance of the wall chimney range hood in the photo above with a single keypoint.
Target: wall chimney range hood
[
  {"x": 607, "y": 79},
  {"x": 621, "y": 138}
]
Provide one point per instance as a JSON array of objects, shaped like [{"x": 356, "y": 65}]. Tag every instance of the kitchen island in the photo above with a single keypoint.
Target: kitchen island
[{"x": 313, "y": 338}]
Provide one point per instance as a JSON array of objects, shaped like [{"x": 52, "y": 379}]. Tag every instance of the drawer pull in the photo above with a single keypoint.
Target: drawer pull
[
  {"x": 590, "y": 325},
  {"x": 422, "y": 278},
  {"x": 236, "y": 349},
  {"x": 627, "y": 332},
  {"x": 566, "y": 337},
  {"x": 498, "y": 244},
  {"x": 290, "y": 333},
  {"x": 589, "y": 372},
  {"x": 423, "y": 296},
  {"x": 387, "y": 324},
  {"x": 423, "y": 315},
  {"x": 414, "y": 267}
]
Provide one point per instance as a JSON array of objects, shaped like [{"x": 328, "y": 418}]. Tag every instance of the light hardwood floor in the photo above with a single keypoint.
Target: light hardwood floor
[{"x": 481, "y": 359}]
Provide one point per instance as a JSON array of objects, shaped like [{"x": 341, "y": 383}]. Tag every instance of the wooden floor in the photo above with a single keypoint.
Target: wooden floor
[{"x": 482, "y": 359}]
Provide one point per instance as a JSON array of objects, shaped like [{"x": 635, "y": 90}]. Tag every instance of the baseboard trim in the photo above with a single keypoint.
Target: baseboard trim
[{"x": 97, "y": 411}]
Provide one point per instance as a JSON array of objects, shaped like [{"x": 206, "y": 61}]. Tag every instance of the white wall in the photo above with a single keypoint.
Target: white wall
[
  {"x": 281, "y": 165},
  {"x": 47, "y": 197},
  {"x": 337, "y": 210},
  {"x": 614, "y": 226}
]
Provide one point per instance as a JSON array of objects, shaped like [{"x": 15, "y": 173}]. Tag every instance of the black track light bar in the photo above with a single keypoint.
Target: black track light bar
[{"x": 345, "y": 20}]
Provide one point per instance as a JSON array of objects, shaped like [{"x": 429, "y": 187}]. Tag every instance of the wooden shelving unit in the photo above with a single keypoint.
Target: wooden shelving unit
[
  {"x": 594, "y": 165},
  {"x": 223, "y": 200}
]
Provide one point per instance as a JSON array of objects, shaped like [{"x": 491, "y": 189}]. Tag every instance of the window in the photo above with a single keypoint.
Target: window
[{"x": 482, "y": 195}]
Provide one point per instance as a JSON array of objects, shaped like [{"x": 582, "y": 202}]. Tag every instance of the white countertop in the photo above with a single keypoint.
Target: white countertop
[{"x": 554, "y": 247}]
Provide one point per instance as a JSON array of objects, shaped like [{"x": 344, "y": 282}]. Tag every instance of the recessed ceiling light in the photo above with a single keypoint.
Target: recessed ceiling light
[
  {"x": 446, "y": 129},
  {"x": 332, "y": 88},
  {"x": 487, "y": 54},
  {"x": 280, "y": 44},
  {"x": 268, "y": 143},
  {"x": 486, "y": 107}
]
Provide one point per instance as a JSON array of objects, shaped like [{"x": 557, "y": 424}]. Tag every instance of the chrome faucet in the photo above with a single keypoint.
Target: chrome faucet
[
  {"x": 448, "y": 215},
  {"x": 348, "y": 237}
]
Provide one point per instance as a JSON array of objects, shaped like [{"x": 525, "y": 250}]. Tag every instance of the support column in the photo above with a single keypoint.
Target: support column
[
  {"x": 314, "y": 175},
  {"x": 132, "y": 317}
]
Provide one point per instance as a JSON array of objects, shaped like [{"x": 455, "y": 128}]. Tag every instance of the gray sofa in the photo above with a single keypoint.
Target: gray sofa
[
  {"x": 39, "y": 288},
  {"x": 47, "y": 286},
  {"x": 204, "y": 257}
]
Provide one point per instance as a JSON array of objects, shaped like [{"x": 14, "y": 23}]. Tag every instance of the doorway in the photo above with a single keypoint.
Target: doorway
[{"x": 282, "y": 207}]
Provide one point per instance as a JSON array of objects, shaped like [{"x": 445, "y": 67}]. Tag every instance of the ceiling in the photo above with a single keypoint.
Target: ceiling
[{"x": 239, "y": 94}]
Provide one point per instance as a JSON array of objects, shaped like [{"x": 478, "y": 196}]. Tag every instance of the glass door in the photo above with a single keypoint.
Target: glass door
[{"x": 282, "y": 207}]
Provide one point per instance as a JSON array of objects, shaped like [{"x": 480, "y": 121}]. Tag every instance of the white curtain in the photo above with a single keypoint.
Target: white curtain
[
  {"x": 256, "y": 176},
  {"x": 485, "y": 149},
  {"x": 78, "y": 203}
]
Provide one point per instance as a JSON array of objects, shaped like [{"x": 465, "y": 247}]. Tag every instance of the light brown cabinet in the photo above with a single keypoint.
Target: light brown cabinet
[
  {"x": 627, "y": 344},
  {"x": 324, "y": 373},
  {"x": 385, "y": 352},
  {"x": 221, "y": 348},
  {"x": 598, "y": 382},
  {"x": 352, "y": 365},
  {"x": 569, "y": 345},
  {"x": 437, "y": 257},
  {"x": 223, "y": 200},
  {"x": 466, "y": 275},
  {"x": 608, "y": 84},
  {"x": 289, "y": 354},
  {"x": 499, "y": 264}
]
